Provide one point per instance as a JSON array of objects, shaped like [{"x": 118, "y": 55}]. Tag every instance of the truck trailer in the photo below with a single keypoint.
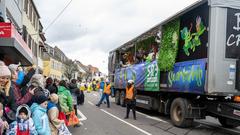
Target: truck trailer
[{"x": 188, "y": 66}]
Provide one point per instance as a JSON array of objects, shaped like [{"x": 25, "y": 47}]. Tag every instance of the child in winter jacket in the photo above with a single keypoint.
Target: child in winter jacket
[
  {"x": 57, "y": 126},
  {"x": 39, "y": 115},
  {"x": 24, "y": 124}
]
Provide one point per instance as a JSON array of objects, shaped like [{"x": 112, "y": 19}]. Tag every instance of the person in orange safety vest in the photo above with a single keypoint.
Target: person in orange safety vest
[
  {"x": 106, "y": 93},
  {"x": 130, "y": 99}
]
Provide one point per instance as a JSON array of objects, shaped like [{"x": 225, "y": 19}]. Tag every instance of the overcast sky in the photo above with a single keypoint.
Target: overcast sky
[{"x": 89, "y": 29}]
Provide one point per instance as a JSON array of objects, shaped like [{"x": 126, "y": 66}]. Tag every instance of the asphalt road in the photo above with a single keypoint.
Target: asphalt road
[{"x": 109, "y": 121}]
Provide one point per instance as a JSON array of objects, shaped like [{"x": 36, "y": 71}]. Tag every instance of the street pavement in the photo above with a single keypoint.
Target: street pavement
[{"x": 109, "y": 121}]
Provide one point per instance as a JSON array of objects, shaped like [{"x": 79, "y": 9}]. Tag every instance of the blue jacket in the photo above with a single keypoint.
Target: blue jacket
[
  {"x": 40, "y": 119},
  {"x": 102, "y": 85},
  {"x": 20, "y": 78}
]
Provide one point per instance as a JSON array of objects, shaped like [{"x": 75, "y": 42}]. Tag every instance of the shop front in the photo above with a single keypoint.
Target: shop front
[{"x": 13, "y": 49}]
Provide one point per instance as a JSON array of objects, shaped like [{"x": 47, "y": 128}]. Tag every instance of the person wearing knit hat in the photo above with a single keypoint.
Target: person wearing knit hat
[
  {"x": 40, "y": 99},
  {"x": 39, "y": 115},
  {"x": 4, "y": 71},
  {"x": 5, "y": 75}
]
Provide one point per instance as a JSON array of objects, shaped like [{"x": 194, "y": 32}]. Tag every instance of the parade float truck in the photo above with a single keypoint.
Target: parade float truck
[{"x": 196, "y": 70}]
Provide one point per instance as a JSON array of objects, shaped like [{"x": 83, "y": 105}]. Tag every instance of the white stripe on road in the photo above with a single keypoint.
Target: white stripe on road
[
  {"x": 95, "y": 95},
  {"x": 139, "y": 129},
  {"x": 90, "y": 103},
  {"x": 151, "y": 117},
  {"x": 83, "y": 117}
]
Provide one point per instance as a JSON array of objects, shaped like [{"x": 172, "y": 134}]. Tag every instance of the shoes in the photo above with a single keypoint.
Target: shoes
[
  {"x": 135, "y": 118},
  {"x": 125, "y": 117},
  {"x": 97, "y": 105},
  {"x": 108, "y": 107}
]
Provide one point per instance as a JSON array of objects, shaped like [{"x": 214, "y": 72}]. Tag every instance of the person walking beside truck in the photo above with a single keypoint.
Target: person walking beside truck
[
  {"x": 106, "y": 93},
  {"x": 130, "y": 99}
]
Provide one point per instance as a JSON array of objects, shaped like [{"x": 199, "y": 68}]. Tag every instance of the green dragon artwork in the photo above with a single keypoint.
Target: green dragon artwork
[{"x": 192, "y": 40}]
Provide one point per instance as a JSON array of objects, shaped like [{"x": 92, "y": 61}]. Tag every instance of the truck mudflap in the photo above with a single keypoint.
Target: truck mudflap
[{"x": 226, "y": 110}]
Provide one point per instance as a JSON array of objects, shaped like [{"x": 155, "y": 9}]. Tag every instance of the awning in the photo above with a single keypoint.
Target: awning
[{"x": 13, "y": 47}]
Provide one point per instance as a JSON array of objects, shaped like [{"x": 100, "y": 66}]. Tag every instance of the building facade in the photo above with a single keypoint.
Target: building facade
[
  {"x": 13, "y": 48},
  {"x": 54, "y": 62},
  {"x": 33, "y": 31}
]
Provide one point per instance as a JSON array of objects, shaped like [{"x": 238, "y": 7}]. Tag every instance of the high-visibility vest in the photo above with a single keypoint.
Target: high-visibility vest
[
  {"x": 129, "y": 92},
  {"x": 107, "y": 89}
]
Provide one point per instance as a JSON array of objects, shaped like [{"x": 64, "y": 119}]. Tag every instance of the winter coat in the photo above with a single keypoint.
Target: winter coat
[
  {"x": 9, "y": 103},
  {"x": 65, "y": 99},
  {"x": 75, "y": 91},
  {"x": 22, "y": 99},
  {"x": 53, "y": 113},
  {"x": 52, "y": 88},
  {"x": 22, "y": 125},
  {"x": 40, "y": 119},
  {"x": 20, "y": 78},
  {"x": 102, "y": 85}
]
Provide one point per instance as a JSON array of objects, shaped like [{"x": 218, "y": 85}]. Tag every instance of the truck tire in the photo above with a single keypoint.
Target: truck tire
[
  {"x": 178, "y": 113},
  {"x": 122, "y": 99},
  {"x": 117, "y": 97},
  {"x": 225, "y": 122}
]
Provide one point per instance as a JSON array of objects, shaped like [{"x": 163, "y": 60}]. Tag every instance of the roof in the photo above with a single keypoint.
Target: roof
[{"x": 153, "y": 31}]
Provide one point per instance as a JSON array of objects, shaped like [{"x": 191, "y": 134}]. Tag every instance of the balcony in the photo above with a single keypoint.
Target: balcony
[{"x": 13, "y": 48}]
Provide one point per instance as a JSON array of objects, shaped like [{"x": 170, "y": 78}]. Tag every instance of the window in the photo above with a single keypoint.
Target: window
[
  {"x": 30, "y": 11},
  {"x": 26, "y": 6},
  {"x": 34, "y": 18},
  {"x": 29, "y": 41}
]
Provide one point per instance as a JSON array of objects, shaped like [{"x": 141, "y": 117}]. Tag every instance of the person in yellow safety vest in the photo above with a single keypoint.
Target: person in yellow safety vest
[
  {"x": 130, "y": 99},
  {"x": 89, "y": 87},
  {"x": 106, "y": 93}
]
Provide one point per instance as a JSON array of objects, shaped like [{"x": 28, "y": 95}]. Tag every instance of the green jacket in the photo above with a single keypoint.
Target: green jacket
[{"x": 65, "y": 99}]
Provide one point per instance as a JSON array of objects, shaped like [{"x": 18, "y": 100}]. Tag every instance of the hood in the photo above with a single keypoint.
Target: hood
[
  {"x": 35, "y": 106},
  {"x": 51, "y": 105},
  {"x": 37, "y": 80},
  {"x": 23, "y": 106}
]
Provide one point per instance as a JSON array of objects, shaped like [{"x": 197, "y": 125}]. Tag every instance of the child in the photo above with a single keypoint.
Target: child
[
  {"x": 39, "y": 115},
  {"x": 57, "y": 126},
  {"x": 24, "y": 124},
  {"x": 3, "y": 124}
]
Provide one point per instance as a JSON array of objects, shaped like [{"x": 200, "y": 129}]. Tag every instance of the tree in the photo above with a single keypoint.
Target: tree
[{"x": 70, "y": 69}]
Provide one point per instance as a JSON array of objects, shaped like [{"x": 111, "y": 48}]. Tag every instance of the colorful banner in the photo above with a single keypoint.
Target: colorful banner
[
  {"x": 188, "y": 76},
  {"x": 145, "y": 76},
  {"x": 152, "y": 75}
]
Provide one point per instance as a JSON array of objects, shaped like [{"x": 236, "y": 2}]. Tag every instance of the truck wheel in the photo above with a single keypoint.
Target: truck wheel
[
  {"x": 122, "y": 97},
  {"x": 178, "y": 113},
  {"x": 117, "y": 97},
  {"x": 225, "y": 122}
]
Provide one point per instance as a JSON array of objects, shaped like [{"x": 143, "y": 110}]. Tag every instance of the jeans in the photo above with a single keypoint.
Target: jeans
[{"x": 102, "y": 98}]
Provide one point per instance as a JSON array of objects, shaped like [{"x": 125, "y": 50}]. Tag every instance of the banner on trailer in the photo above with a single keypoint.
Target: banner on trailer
[
  {"x": 188, "y": 76},
  {"x": 145, "y": 76}
]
